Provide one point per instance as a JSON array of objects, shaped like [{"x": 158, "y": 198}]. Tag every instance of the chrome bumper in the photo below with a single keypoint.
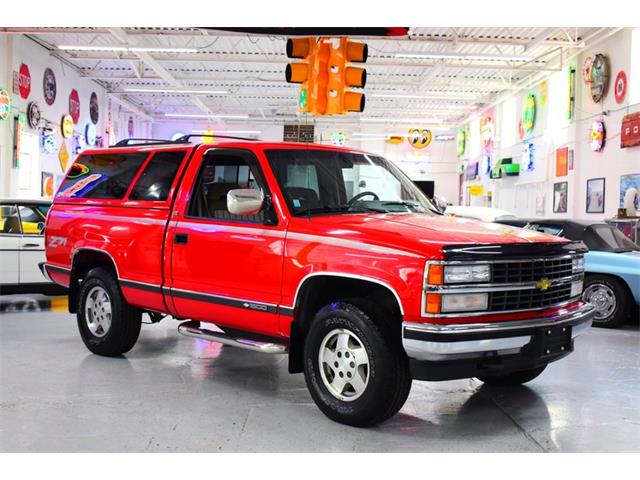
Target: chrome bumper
[{"x": 432, "y": 342}]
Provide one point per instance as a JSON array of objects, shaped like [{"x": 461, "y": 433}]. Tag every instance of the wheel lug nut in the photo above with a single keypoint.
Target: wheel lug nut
[
  {"x": 352, "y": 364},
  {"x": 339, "y": 354},
  {"x": 346, "y": 354},
  {"x": 335, "y": 364},
  {"x": 341, "y": 374},
  {"x": 349, "y": 374}
]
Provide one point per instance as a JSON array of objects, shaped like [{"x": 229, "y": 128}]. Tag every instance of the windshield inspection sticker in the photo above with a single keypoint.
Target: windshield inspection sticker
[{"x": 296, "y": 203}]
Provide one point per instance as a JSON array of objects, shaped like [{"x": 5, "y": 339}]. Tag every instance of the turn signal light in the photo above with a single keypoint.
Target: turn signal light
[
  {"x": 436, "y": 275},
  {"x": 433, "y": 303}
]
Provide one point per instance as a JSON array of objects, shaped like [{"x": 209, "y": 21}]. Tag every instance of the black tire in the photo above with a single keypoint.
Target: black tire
[
  {"x": 389, "y": 376},
  {"x": 125, "y": 323},
  {"x": 619, "y": 290},
  {"x": 514, "y": 378}
]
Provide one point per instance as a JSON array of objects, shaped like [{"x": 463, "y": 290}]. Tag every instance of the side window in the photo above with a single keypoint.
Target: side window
[
  {"x": 9, "y": 220},
  {"x": 31, "y": 219},
  {"x": 219, "y": 173},
  {"x": 156, "y": 179},
  {"x": 106, "y": 175}
]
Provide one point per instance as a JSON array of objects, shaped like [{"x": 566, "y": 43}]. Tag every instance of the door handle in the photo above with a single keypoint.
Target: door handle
[
  {"x": 181, "y": 238},
  {"x": 30, "y": 245}
]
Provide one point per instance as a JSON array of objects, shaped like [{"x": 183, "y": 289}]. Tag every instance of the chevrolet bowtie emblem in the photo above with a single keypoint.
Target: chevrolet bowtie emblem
[{"x": 543, "y": 284}]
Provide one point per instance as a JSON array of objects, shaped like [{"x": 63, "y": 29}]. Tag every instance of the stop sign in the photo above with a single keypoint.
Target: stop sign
[{"x": 24, "y": 81}]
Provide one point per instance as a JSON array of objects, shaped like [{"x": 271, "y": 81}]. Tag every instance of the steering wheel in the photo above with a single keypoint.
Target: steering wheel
[{"x": 362, "y": 194}]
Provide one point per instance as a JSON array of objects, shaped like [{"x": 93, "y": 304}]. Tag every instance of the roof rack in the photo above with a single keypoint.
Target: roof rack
[
  {"x": 127, "y": 142},
  {"x": 185, "y": 138}
]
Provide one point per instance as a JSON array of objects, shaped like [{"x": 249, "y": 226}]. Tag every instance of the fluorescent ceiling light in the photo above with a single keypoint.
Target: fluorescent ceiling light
[
  {"x": 421, "y": 121},
  {"x": 466, "y": 56},
  {"x": 433, "y": 96},
  {"x": 220, "y": 132},
  {"x": 176, "y": 90},
  {"x": 203, "y": 115},
  {"x": 108, "y": 48}
]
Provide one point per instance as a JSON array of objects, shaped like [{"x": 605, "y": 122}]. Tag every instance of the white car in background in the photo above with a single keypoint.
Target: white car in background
[
  {"x": 22, "y": 246},
  {"x": 486, "y": 214}
]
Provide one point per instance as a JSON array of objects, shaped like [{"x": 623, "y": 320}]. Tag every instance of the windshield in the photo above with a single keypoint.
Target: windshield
[{"x": 326, "y": 181}]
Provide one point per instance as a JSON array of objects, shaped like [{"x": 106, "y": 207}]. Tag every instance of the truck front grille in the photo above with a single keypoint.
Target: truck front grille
[
  {"x": 524, "y": 271},
  {"x": 529, "y": 299}
]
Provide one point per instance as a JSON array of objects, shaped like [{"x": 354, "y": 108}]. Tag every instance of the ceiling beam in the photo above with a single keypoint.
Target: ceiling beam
[{"x": 130, "y": 106}]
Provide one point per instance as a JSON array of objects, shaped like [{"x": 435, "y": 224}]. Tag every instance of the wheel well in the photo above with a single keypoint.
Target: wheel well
[
  {"x": 318, "y": 291},
  {"x": 83, "y": 261}
]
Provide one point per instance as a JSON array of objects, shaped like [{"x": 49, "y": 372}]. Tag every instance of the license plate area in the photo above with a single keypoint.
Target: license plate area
[{"x": 554, "y": 340}]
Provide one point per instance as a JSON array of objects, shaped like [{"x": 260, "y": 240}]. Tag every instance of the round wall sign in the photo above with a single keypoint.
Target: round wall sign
[
  {"x": 94, "y": 111},
  {"x": 529, "y": 113},
  {"x": 34, "y": 116},
  {"x": 67, "y": 126},
  {"x": 5, "y": 104},
  {"x": 49, "y": 86},
  {"x": 90, "y": 133},
  {"x": 419, "y": 138},
  {"x": 24, "y": 79},
  {"x": 620, "y": 86},
  {"x": 599, "y": 76},
  {"x": 74, "y": 105},
  {"x": 598, "y": 135},
  {"x": 461, "y": 142}
]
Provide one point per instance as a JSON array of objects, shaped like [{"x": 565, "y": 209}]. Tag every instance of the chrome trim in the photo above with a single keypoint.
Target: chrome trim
[
  {"x": 95, "y": 250},
  {"x": 193, "y": 329},
  {"x": 500, "y": 312},
  {"x": 344, "y": 275},
  {"x": 513, "y": 260},
  {"x": 43, "y": 269},
  {"x": 493, "y": 287},
  {"x": 213, "y": 296},
  {"x": 584, "y": 310},
  {"x": 451, "y": 349}
]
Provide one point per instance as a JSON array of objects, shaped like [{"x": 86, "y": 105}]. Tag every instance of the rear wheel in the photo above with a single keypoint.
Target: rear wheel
[
  {"x": 610, "y": 298},
  {"x": 354, "y": 365},
  {"x": 514, "y": 378},
  {"x": 108, "y": 325}
]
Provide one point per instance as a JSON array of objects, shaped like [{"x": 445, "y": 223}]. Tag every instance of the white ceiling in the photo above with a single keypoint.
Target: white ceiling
[{"x": 251, "y": 69}]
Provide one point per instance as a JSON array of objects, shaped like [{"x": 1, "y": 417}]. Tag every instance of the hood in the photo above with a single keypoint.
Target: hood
[{"x": 423, "y": 232}]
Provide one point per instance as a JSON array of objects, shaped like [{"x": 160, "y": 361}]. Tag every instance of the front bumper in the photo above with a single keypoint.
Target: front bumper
[{"x": 445, "y": 352}]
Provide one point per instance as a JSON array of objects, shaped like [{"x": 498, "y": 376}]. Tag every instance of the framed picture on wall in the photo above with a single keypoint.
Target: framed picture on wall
[
  {"x": 595, "y": 195},
  {"x": 562, "y": 161},
  {"x": 47, "y": 187},
  {"x": 560, "y": 199}
]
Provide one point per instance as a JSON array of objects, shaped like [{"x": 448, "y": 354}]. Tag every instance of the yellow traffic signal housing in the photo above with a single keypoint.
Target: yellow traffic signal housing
[
  {"x": 342, "y": 77},
  {"x": 325, "y": 76}
]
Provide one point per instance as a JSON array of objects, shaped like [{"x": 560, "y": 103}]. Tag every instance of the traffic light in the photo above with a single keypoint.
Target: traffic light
[
  {"x": 342, "y": 76},
  {"x": 325, "y": 75}
]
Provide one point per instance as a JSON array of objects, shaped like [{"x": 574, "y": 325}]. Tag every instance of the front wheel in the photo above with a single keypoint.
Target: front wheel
[
  {"x": 108, "y": 325},
  {"x": 610, "y": 298},
  {"x": 354, "y": 365},
  {"x": 514, "y": 378}
]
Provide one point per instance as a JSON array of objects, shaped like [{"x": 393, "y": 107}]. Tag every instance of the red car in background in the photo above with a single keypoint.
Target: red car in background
[{"x": 330, "y": 255}]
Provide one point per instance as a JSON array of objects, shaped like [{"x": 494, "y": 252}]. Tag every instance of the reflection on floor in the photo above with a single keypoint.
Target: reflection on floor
[
  {"x": 173, "y": 393},
  {"x": 33, "y": 303}
]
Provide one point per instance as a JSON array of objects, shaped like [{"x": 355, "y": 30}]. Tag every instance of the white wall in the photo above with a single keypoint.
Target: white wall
[
  {"x": 15, "y": 50},
  {"x": 553, "y": 131}
]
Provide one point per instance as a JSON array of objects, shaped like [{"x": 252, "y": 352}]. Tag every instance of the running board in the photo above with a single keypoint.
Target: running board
[{"x": 193, "y": 329}]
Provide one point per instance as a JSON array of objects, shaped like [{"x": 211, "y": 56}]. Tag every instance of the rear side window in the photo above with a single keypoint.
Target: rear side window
[
  {"x": 157, "y": 177},
  {"x": 101, "y": 176}
]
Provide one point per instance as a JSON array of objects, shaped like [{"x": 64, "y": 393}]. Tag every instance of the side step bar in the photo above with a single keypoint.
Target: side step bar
[{"x": 193, "y": 329}]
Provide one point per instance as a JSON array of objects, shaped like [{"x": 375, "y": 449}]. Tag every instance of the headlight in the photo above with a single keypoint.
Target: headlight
[
  {"x": 465, "y": 303},
  {"x": 466, "y": 273},
  {"x": 577, "y": 264}
]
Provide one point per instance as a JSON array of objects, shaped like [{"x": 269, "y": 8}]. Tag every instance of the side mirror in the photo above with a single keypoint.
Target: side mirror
[
  {"x": 440, "y": 203},
  {"x": 244, "y": 201}
]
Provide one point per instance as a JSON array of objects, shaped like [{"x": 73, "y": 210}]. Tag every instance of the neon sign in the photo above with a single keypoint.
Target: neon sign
[{"x": 597, "y": 135}]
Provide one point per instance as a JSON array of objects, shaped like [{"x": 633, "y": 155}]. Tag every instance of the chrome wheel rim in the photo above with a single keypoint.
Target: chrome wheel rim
[
  {"x": 97, "y": 312},
  {"x": 602, "y": 298},
  {"x": 344, "y": 365}
]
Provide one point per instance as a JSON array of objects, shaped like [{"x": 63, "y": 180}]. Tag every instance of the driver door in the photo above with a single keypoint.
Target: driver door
[{"x": 226, "y": 268}]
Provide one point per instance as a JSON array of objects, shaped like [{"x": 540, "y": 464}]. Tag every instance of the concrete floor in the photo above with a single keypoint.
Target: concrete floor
[{"x": 173, "y": 393}]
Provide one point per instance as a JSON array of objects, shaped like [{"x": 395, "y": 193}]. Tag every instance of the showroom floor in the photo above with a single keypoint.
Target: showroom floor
[{"x": 173, "y": 393}]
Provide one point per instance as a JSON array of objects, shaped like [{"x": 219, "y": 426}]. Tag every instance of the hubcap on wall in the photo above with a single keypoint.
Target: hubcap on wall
[
  {"x": 344, "y": 364},
  {"x": 97, "y": 311},
  {"x": 602, "y": 298}
]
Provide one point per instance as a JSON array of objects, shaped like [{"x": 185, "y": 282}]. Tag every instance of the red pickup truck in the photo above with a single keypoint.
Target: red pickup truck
[{"x": 330, "y": 255}]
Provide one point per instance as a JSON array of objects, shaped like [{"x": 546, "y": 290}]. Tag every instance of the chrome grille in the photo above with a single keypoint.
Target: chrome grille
[
  {"x": 524, "y": 271},
  {"x": 529, "y": 299}
]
